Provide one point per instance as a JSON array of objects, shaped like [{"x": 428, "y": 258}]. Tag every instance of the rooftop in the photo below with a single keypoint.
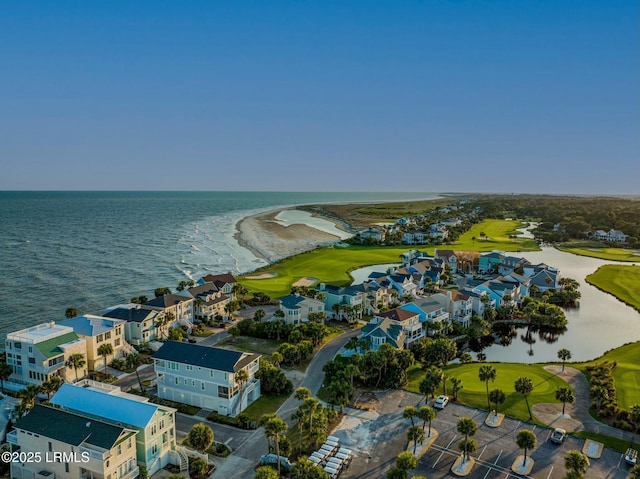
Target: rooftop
[
  {"x": 205, "y": 356},
  {"x": 41, "y": 332},
  {"x": 89, "y": 325}
]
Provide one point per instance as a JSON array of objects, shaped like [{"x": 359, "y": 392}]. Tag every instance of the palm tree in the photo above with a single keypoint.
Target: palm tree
[
  {"x": 467, "y": 446},
  {"x": 274, "y": 428},
  {"x": 457, "y": 387},
  {"x": 200, "y": 437},
  {"x": 105, "y": 350},
  {"x": 133, "y": 360},
  {"x": 415, "y": 434},
  {"x": 160, "y": 322},
  {"x": 497, "y": 396},
  {"x": 565, "y": 395},
  {"x": 259, "y": 315},
  {"x": 52, "y": 385},
  {"x": 76, "y": 361},
  {"x": 276, "y": 358},
  {"x": 564, "y": 355},
  {"x": 575, "y": 462},
  {"x": 467, "y": 427},
  {"x": 526, "y": 440},
  {"x": 351, "y": 371},
  {"x": 71, "y": 312},
  {"x": 29, "y": 394},
  {"x": 336, "y": 310},
  {"x": 487, "y": 373},
  {"x": 427, "y": 414},
  {"x": 524, "y": 386},
  {"x": 410, "y": 412},
  {"x": 634, "y": 473},
  {"x": 5, "y": 372}
]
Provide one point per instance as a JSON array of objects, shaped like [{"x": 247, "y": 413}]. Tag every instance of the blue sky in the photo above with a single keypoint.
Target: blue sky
[{"x": 531, "y": 96}]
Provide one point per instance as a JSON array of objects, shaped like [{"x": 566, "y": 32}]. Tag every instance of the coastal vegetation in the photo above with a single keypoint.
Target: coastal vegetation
[
  {"x": 622, "y": 281},
  {"x": 494, "y": 234}
]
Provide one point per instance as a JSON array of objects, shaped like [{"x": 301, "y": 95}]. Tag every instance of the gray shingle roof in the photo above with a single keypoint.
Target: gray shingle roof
[{"x": 204, "y": 356}]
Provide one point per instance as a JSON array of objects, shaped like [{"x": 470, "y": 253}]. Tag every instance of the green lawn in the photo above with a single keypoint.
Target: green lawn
[
  {"x": 614, "y": 443},
  {"x": 497, "y": 232},
  {"x": 265, "y": 404},
  {"x": 474, "y": 392},
  {"x": 626, "y": 374},
  {"x": 613, "y": 254},
  {"x": 622, "y": 281},
  {"x": 251, "y": 345},
  {"x": 329, "y": 265}
]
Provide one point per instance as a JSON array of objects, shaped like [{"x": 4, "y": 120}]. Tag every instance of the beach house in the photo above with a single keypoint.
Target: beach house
[
  {"x": 207, "y": 377},
  {"x": 72, "y": 446},
  {"x": 176, "y": 311},
  {"x": 36, "y": 354},
  {"x": 140, "y": 324},
  {"x": 98, "y": 331},
  {"x": 154, "y": 424},
  {"x": 296, "y": 308}
]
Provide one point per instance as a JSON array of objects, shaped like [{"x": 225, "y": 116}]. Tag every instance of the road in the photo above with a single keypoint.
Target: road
[{"x": 242, "y": 462}]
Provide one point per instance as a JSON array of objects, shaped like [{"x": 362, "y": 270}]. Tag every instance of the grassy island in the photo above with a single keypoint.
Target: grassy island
[{"x": 622, "y": 281}]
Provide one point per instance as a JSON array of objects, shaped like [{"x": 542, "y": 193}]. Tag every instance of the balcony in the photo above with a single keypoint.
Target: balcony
[
  {"x": 133, "y": 473},
  {"x": 439, "y": 318},
  {"x": 93, "y": 454},
  {"x": 12, "y": 437}
]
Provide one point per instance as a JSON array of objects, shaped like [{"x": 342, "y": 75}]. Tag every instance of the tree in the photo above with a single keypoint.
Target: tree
[
  {"x": 259, "y": 315},
  {"x": 415, "y": 434},
  {"x": 198, "y": 468},
  {"x": 200, "y": 437},
  {"x": 71, "y": 312},
  {"x": 497, "y": 396},
  {"x": 524, "y": 386},
  {"x": 276, "y": 358},
  {"x": 467, "y": 427},
  {"x": 457, "y": 387},
  {"x": 483, "y": 235},
  {"x": 564, "y": 355},
  {"x": 234, "y": 331},
  {"x": 565, "y": 395},
  {"x": 133, "y": 360},
  {"x": 467, "y": 446},
  {"x": 429, "y": 384},
  {"x": 305, "y": 469},
  {"x": 5, "y": 372},
  {"x": 339, "y": 393},
  {"x": 634, "y": 418},
  {"x": 266, "y": 472},
  {"x": 485, "y": 374},
  {"x": 29, "y": 394},
  {"x": 161, "y": 292},
  {"x": 410, "y": 412},
  {"x": 76, "y": 361},
  {"x": 52, "y": 385},
  {"x": 105, "y": 350},
  {"x": 427, "y": 414},
  {"x": 351, "y": 370},
  {"x": 526, "y": 440},
  {"x": 575, "y": 462},
  {"x": 634, "y": 473},
  {"x": 274, "y": 428},
  {"x": 406, "y": 461}
]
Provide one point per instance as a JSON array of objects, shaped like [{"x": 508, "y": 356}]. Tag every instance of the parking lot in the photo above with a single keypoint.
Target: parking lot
[{"x": 497, "y": 448}]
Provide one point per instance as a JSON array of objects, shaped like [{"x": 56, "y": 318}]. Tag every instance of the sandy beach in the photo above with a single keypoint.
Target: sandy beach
[{"x": 265, "y": 237}]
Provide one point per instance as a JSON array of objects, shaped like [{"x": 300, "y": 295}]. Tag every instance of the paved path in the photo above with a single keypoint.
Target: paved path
[
  {"x": 579, "y": 410},
  {"x": 245, "y": 457}
]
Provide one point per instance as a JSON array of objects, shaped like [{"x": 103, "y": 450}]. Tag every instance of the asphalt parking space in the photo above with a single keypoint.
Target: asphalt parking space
[{"x": 497, "y": 450}]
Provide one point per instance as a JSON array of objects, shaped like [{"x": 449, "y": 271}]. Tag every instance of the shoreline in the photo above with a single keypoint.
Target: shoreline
[{"x": 271, "y": 241}]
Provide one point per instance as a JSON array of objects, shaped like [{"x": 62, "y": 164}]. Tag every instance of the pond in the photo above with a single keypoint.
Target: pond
[{"x": 599, "y": 323}]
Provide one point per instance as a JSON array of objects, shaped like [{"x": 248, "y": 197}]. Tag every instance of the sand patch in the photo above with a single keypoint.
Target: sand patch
[
  {"x": 262, "y": 276},
  {"x": 306, "y": 281},
  {"x": 592, "y": 449},
  {"x": 522, "y": 467}
]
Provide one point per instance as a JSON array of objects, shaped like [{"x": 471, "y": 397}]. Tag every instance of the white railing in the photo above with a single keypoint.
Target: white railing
[
  {"x": 131, "y": 474},
  {"x": 12, "y": 437}
]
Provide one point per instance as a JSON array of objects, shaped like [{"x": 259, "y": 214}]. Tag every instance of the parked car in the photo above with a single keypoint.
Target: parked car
[
  {"x": 273, "y": 459},
  {"x": 631, "y": 457},
  {"x": 441, "y": 402},
  {"x": 558, "y": 435}
]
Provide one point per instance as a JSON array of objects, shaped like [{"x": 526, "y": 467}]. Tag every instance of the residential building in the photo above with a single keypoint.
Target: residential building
[
  {"x": 512, "y": 264},
  {"x": 460, "y": 306},
  {"x": 408, "y": 320},
  {"x": 448, "y": 257},
  {"x": 433, "y": 312},
  {"x": 71, "y": 446},
  {"x": 206, "y": 377},
  {"x": 177, "y": 310},
  {"x": 414, "y": 237},
  {"x": 208, "y": 301},
  {"x": 382, "y": 332},
  {"x": 96, "y": 331},
  {"x": 153, "y": 423},
  {"x": 140, "y": 324},
  {"x": 39, "y": 352},
  {"x": 345, "y": 296},
  {"x": 296, "y": 308},
  {"x": 490, "y": 262},
  {"x": 224, "y": 282},
  {"x": 615, "y": 236},
  {"x": 371, "y": 235}
]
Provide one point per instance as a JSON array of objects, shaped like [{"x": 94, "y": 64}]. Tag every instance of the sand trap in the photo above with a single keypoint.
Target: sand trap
[
  {"x": 306, "y": 281},
  {"x": 262, "y": 276}
]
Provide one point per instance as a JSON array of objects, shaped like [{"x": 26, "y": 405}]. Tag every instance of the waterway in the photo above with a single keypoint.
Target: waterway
[{"x": 600, "y": 322}]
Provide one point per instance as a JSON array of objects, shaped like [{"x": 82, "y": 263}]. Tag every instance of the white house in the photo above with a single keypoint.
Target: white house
[
  {"x": 92, "y": 449},
  {"x": 296, "y": 308},
  {"x": 206, "y": 377},
  {"x": 154, "y": 424},
  {"x": 408, "y": 320},
  {"x": 140, "y": 324},
  {"x": 37, "y": 353}
]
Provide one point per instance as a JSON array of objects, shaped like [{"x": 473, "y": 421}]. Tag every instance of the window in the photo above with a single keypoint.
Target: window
[
  {"x": 119, "y": 449},
  {"x": 50, "y": 446},
  {"x": 32, "y": 360},
  {"x": 154, "y": 449},
  {"x": 189, "y": 367},
  {"x": 30, "y": 349},
  {"x": 66, "y": 467},
  {"x": 186, "y": 381},
  {"x": 176, "y": 380},
  {"x": 202, "y": 386},
  {"x": 193, "y": 383},
  {"x": 223, "y": 392},
  {"x": 107, "y": 335},
  {"x": 100, "y": 338},
  {"x": 18, "y": 345},
  {"x": 129, "y": 444},
  {"x": 154, "y": 429}
]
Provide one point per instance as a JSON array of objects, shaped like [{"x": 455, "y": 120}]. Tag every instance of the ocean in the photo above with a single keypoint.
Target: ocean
[{"x": 91, "y": 250}]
